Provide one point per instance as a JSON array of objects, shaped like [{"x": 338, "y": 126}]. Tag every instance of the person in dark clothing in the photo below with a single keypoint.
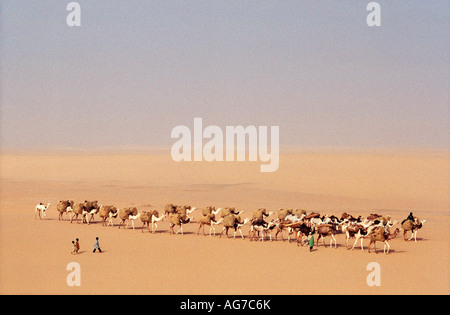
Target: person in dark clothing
[
  {"x": 97, "y": 246},
  {"x": 410, "y": 217}
]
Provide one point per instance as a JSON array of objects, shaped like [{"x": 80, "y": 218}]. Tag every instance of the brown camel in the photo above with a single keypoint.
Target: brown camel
[
  {"x": 146, "y": 219},
  {"x": 206, "y": 220},
  {"x": 379, "y": 235},
  {"x": 325, "y": 230},
  {"x": 107, "y": 212},
  {"x": 62, "y": 207},
  {"x": 408, "y": 225}
]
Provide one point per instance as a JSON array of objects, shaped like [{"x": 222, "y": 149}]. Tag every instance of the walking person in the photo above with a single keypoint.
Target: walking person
[
  {"x": 97, "y": 246},
  {"x": 74, "y": 251},
  {"x": 77, "y": 246},
  {"x": 311, "y": 241}
]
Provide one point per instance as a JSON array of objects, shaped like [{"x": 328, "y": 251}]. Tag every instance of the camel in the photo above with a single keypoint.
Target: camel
[
  {"x": 264, "y": 230},
  {"x": 230, "y": 221},
  {"x": 408, "y": 225},
  {"x": 379, "y": 235},
  {"x": 210, "y": 210},
  {"x": 124, "y": 215},
  {"x": 177, "y": 219},
  {"x": 84, "y": 208},
  {"x": 78, "y": 209},
  {"x": 132, "y": 218},
  {"x": 156, "y": 219},
  {"x": 357, "y": 231},
  {"x": 261, "y": 213},
  {"x": 213, "y": 224},
  {"x": 350, "y": 218},
  {"x": 256, "y": 221},
  {"x": 303, "y": 231},
  {"x": 106, "y": 212},
  {"x": 69, "y": 210},
  {"x": 169, "y": 208},
  {"x": 325, "y": 230},
  {"x": 91, "y": 212},
  {"x": 282, "y": 213},
  {"x": 41, "y": 208},
  {"x": 206, "y": 220},
  {"x": 238, "y": 225},
  {"x": 147, "y": 218},
  {"x": 111, "y": 216},
  {"x": 302, "y": 228},
  {"x": 62, "y": 206},
  {"x": 285, "y": 224}
]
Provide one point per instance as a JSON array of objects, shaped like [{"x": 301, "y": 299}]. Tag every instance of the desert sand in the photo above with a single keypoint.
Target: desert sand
[{"x": 34, "y": 253}]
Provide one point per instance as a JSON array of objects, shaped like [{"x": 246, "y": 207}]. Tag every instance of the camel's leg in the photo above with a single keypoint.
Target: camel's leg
[
  {"x": 240, "y": 231},
  {"x": 132, "y": 223},
  {"x": 415, "y": 235},
  {"x": 362, "y": 247},
  {"x": 404, "y": 235},
  {"x": 386, "y": 244},
  {"x": 335, "y": 242},
  {"x": 356, "y": 240},
  {"x": 222, "y": 232},
  {"x": 199, "y": 227}
]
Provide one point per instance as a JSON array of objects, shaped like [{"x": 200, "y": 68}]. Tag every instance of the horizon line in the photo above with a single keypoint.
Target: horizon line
[{"x": 162, "y": 149}]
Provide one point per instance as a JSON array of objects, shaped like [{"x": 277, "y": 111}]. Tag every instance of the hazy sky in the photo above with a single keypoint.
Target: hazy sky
[{"x": 134, "y": 70}]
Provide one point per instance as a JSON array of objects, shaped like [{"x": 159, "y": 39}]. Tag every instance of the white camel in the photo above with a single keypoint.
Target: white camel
[
  {"x": 132, "y": 218},
  {"x": 239, "y": 226},
  {"x": 212, "y": 225},
  {"x": 91, "y": 212},
  {"x": 69, "y": 210},
  {"x": 155, "y": 220},
  {"x": 264, "y": 231},
  {"x": 189, "y": 211},
  {"x": 111, "y": 217},
  {"x": 362, "y": 231},
  {"x": 41, "y": 208}
]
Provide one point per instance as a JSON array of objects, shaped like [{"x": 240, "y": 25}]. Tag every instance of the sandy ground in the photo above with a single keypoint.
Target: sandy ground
[{"x": 34, "y": 253}]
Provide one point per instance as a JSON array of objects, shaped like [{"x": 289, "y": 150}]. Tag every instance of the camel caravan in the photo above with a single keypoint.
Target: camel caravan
[{"x": 298, "y": 224}]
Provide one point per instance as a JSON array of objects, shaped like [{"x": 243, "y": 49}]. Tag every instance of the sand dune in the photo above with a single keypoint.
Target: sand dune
[{"x": 35, "y": 253}]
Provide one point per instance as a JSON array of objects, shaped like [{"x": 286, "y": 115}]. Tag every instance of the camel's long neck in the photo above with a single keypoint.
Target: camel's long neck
[{"x": 392, "y": 236}]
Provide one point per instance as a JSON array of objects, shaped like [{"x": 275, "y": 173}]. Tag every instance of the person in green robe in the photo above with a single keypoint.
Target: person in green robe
[{"x": 311, "y": 241}]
